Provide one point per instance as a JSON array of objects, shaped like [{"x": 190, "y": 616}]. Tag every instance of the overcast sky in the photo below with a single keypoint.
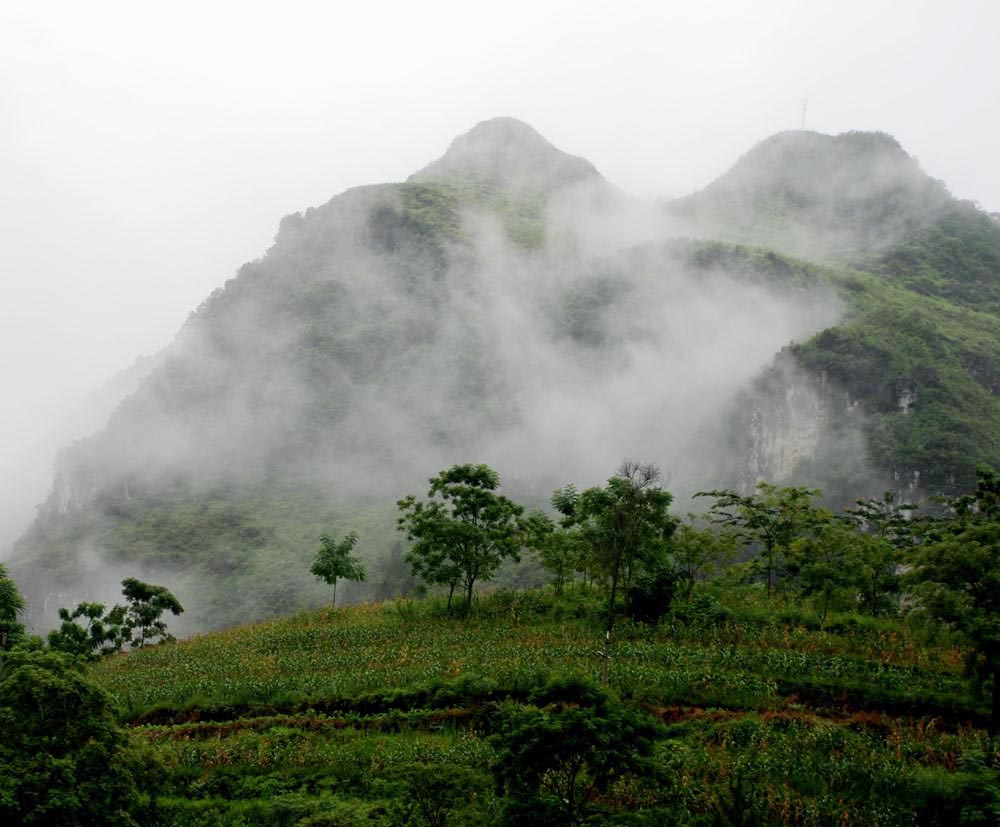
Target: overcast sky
[{"x": 145, "y": 154}]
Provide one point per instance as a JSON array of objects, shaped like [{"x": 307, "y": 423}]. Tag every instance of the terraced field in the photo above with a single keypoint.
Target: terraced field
[{"x": 341, "y": 717}]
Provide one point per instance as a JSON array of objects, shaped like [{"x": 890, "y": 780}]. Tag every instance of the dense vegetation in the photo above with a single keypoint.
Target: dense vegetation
[
  {"x": 754, "y": 712},
  {"x": 773, "y": 664},
  {"x": 757, "y": 714}
]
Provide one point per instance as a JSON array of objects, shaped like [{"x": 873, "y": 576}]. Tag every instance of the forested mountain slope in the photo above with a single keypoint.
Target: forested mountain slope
[
  {"x": 506, "y": 304},
  {"x": 922, "y": 368}
]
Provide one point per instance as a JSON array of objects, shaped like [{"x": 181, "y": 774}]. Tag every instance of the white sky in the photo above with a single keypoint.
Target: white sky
[{"x": 146, "y": 153}]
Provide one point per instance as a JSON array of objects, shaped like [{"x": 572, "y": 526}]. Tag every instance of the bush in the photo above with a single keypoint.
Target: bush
[
  {"x": 702, "y": 610},
  {"x": 651, "y": 596},
  {"x": 559, "y": 764},
  {"x": 65, "y": 761}
]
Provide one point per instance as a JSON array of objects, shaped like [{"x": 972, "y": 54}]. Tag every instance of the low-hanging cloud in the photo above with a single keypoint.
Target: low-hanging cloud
[{"x": 371, "y": 347}]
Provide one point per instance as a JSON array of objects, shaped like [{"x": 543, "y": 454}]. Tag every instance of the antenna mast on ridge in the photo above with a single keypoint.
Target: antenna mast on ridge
[{"x": 805, "y": 103}]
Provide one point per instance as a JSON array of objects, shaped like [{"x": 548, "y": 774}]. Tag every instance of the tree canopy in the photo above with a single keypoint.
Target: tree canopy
[
  {"x": 11, "y": 605},
  {"x": 464, "y": 530},
  {"x": 956, "y": 574},
  {"x": 770, "y": 520},
  {"x": 335, "y": 561},
  {"x": 625, "y": 523},
  {"x": 135, "y": 624},
  {"x": 65, "y": 760}
]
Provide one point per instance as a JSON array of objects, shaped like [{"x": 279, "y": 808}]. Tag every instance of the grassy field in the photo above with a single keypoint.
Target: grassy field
[{"x": 764, "y": 717}]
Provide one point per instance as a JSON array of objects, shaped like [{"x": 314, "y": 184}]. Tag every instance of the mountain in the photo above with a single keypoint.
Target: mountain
[
  {"x": 856, "y": 199},
  {"x": 830, "y": 197},
  {"x": 509, "y": 155},
  {"x": 824, "y": 313}
]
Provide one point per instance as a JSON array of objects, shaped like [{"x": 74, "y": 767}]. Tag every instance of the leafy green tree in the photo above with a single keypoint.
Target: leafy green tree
[
  {"x": 562, "y": 553},
  {"x": 141, "y": 618},
  {"x": 334, "y": 561},
  {"x": 573, "y": 551},
  {"x": 885, "y": 518},
  {"x": 768, "y": 520},
  {"x": 879, "y": 582},
  {"x": 101, "y": 634},
  {"x": 560, "y": 759},
  {"x": 698, "y": 552},
  {"x": 826, "y": 565},
  {"x": 625, "y": 524},
  {"x": 64, "y": 760},
  {"x": 562, "y": 549},
  {"x": 11, "y": 605},
  {"x": 956, "y": 576},
  {"x": 428, "y": 795},
  {"x": 886, "y": 534},
  {"x": 464, "y": 531}
]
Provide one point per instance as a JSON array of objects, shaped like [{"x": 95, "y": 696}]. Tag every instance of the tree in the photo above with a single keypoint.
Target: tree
[
  {"x": 562, "y": 552},
  {"x": 878, "y": 579},
  {"x": 140, "y": 619},
  {"x": 134, "y": 624},
  {"x": 11, "y": 605},
  {"x": 64, "y": 759},
  {"x": 334, "y": 560},
  {"x": 770, "y": 520},
  {"x": 887, "y": 533},
  {"x": 625, "y": 523},
  {"x": 464, "y": 531},
  {"x": 885, "y": 519},
  {"x": 101, "y": 635},
  {"x": 826, "y": 565},
  {"x": 558, "y": 759},
  {"x": 956, "y": 575},
  {"x": 427, "y": 795},
  {"x": 698, "y": 551}
]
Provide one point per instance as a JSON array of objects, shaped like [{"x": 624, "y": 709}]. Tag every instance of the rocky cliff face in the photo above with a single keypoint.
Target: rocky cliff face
[
  {"x": 799, "y": 427},
  {"x": 73, "y": 489}
]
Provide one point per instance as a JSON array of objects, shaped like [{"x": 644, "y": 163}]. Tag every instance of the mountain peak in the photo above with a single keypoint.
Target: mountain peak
[
  {"x": 812, "y": 167},
  {"x": 509, "y": 153},
  {"x": 800, "y": 153},
  {"x": 820, "y": 196}
]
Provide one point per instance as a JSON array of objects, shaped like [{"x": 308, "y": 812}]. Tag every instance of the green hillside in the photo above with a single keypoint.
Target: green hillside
[
  {"x": 920, "y": 273},
  {"x": 760, "y": 715}
]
